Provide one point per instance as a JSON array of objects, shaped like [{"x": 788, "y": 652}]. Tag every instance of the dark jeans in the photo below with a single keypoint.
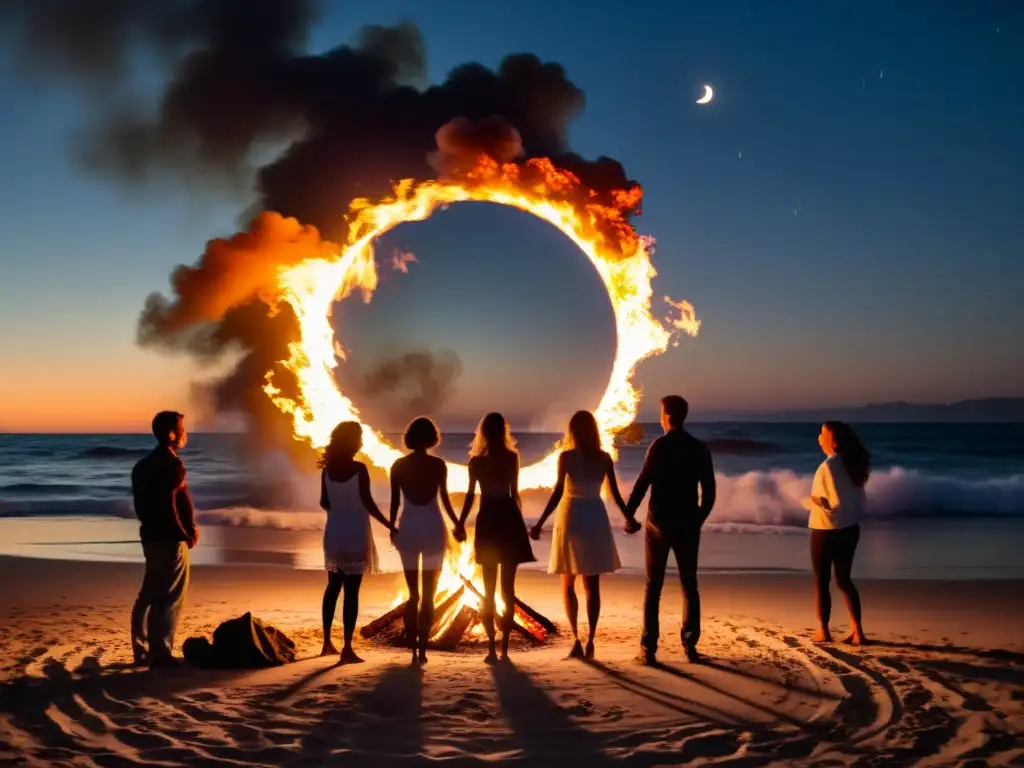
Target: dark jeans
[
  {"x": 685, "y": 544},
  {"x": 161, "y": 598},
  {"x": 834, "y": 549}
]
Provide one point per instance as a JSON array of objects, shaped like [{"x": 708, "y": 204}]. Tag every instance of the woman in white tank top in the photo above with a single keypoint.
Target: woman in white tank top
[
  {"x": 582, "y": 543},
  {"x": 348, "y": 541}
]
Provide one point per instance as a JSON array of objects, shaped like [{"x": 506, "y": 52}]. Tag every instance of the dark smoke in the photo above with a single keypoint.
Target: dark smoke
[
  {"x": 349, "y": 122},
  {"x": 412, "y": 384}
]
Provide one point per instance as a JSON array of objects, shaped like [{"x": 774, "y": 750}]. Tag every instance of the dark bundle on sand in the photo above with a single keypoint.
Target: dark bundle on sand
[{"x": 242, "y": 643}]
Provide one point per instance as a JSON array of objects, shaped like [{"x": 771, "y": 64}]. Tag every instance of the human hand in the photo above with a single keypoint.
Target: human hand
[
  {"x": 394, "y": 533},
  {"x": 632, "y": 526},
  {"x": 460, "y": 533},
  {"x": 194, "y": 538},
  {"x": 535, "y": 532}
]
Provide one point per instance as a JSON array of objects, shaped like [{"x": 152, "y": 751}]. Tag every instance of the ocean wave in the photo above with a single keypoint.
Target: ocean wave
[
  {"x": 741, "y": 446},
  {"x": 761, "y": 499},
  {"x": 110, "y": 452}
]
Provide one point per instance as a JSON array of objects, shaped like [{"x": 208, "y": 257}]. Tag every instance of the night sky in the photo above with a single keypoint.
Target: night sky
[{"x": 847, "y": 216}]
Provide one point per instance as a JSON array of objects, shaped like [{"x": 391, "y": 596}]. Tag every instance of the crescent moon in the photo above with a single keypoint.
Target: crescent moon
[{"x": 708, "y": 95}]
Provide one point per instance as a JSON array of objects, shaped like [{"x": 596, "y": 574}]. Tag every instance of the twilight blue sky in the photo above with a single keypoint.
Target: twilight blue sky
[{"x": 847, "y": 216}]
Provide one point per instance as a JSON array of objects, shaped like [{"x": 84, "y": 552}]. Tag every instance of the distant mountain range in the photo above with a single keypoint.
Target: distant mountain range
[{"x": 994, "y": 409}]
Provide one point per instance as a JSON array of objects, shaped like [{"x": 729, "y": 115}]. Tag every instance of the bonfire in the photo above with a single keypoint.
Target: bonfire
[{"x": 458, "y": 606}]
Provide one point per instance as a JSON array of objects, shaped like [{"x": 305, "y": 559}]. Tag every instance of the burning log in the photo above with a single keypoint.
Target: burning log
[
  {"x": 464, "y": 620},
  {"x": 381, "y": 623},
  {"x": 523, "y": 622}
]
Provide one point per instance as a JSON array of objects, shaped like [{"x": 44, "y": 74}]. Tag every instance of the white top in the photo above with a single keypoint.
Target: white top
[
  {"x": 583, "y": 476},
  {"x": 847, "y": 502},
  {"x": 348, "y": 540}
]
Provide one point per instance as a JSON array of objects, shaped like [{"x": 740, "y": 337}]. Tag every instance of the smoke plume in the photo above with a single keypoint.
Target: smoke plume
[
  {"x": 346, "y": 124},
  {"x": 411, "y": 384}
]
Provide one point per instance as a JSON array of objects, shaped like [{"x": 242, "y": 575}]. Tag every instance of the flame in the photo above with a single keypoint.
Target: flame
[{"x": 596, "y": 222}]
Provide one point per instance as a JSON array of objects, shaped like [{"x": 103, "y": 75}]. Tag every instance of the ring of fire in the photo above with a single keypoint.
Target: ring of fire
[{"x": 596, "y": 222}]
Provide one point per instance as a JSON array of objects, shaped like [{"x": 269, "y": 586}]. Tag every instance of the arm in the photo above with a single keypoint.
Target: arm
[
  {"x": 325, "y": 500},
  {"x": 442, "y": 486},
  {"x": 643, "y": 481},
  {"x": 396, "y": 495},
  {"x": 819, "y": 489},
  {"x": 367, "y": 497},
  {"x": 707, "y": 485},
  {"x": 467, "y": 504},
  {"x": 515, "y": 485},
  {"x": 183, "y": 508},
  {"x": 613, "y": 484},
  {"x": 556, "y": 497}
]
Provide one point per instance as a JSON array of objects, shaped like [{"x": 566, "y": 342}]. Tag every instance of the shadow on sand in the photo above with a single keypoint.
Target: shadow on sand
[
  {"x": 382, "y": 724},
  {"x": 544, "y": 731}
]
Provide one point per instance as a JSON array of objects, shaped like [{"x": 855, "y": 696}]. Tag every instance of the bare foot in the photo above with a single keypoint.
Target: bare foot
[
  {"x": 329, "y": 649},
  {"x": 577, "y": 651},
  {"x": 855, "y": 638},
  {"x": 348, "y": 656},
  {"x": 822, "y": 636},
  {"x": 491, "y": 658},
  {"x": 422, "y": 658},
  {"x": 589, "y": 652}
]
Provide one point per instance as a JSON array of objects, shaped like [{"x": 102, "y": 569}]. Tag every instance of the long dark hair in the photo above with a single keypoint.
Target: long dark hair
[
  {"x": 851, "y": 450},
  {"x": 346, "y": 442},
  {"x": 583, "y": 434},
  {"x": 492, "y": 437}
]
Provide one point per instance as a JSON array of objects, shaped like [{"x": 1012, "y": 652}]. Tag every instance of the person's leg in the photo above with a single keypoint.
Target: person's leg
[
  {"x": 655, "y": 559},
  {"x": 350, "y": 614},
  {"x": 592, "y": 588},
  {"x": 845, "y": 549},
  {"x": 427, "y": 610},
  {"x": 140, "y": 611},
  {"x": 489, "y": 585},
  {"x": 572, "y": 611},
  {"x": 172, "y": 577},
  {"x": 330, "y": 602},
  {"x": 412, "y": 607},
  {"x": 508, "y": 595},
  {"x": 687, "y": 550},
  {"x": 821, "y": 564}
]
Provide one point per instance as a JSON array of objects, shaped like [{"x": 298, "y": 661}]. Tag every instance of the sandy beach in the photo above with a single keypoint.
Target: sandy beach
[{"x": 942, "y": 685}]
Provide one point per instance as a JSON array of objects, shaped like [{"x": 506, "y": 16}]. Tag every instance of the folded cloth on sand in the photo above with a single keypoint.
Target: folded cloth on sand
[{"x": 242, "y": 643}]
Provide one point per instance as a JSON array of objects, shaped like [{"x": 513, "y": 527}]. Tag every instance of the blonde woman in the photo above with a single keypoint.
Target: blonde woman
[{"x": 582, "y": 544}]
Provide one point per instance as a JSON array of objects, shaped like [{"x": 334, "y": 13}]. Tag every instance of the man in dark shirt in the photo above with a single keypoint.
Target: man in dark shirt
[
  {"x": 676, "y": 464},
  {"x": 168, "y": 531}
]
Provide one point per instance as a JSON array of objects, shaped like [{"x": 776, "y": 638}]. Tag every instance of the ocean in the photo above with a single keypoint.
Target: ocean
[{"x": 946, "y": 500}]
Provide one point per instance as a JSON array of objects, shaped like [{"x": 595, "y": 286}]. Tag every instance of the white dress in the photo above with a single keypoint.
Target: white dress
[
  {"x": 582, "y": 542},
  {"x": 348, "y": 540},
  {"x": 421, "y": 533}
]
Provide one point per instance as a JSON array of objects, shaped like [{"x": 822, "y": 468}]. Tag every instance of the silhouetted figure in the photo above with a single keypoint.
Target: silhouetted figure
[
  {"x": 582, "y": 544},
  {"x": 419, "y": 479},
  {"x": 349, "y": 551},
  {"x": 676, "y": 465},
  {"x": 836, "y": 504},
  {"x": 501, "y": 538},
  {"x": 168, "y": 531}
]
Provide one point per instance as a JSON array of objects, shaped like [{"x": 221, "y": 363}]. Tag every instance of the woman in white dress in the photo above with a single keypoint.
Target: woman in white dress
[
  {"x": 348, "y": 541},
  {"x": 836, "y": 504},
  {"x": 582, "y": 544},
  {"x": 418, "y": 480}
]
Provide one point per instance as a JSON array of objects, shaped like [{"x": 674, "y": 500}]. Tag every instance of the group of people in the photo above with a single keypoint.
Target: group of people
[{"x": 677, "y": 471}]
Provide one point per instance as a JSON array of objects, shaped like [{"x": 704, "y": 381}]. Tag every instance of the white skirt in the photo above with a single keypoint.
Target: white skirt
[
  {"x": 421, "y": 533},
  {"x": 582, "y": 543}
]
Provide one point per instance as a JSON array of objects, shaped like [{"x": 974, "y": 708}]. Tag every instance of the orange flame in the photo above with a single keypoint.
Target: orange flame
[{"x": 596, "y": 222}]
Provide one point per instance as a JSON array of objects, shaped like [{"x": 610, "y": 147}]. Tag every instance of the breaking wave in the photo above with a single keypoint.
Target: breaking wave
[{"x": 769, "y": 499}]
